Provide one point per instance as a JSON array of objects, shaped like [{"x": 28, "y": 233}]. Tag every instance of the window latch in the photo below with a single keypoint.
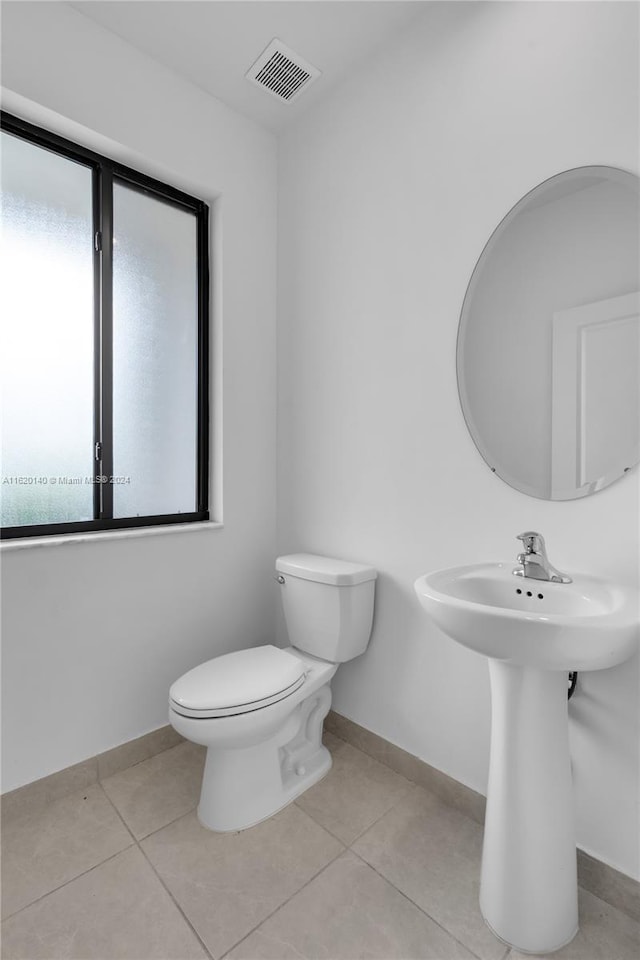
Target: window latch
[
  {"x": 97, "y": 241},
  {"x": 98, "y": 451}
]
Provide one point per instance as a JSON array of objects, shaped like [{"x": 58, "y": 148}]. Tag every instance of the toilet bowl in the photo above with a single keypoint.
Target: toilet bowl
[{"x": 259, "y": 712}]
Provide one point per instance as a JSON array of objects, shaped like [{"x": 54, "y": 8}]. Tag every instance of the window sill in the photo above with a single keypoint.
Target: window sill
[{"x": 62, "y": 540}]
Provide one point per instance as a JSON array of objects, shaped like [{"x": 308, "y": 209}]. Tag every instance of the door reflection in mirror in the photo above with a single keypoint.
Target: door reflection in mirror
[{"x": 549, "y": 342}]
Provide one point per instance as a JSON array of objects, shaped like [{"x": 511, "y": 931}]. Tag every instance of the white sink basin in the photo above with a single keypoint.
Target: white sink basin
[
  {"x": 532, "y": 632},
  {"x": 588, "y": 624}
]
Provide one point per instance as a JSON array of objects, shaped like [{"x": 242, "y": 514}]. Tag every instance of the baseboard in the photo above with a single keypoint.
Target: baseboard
[
  {"x": 455, "y": 794},
  {"x": 34, "y": 796},
  {"x": 609, "y": 884},
  {"x": 599, "y": 878}
]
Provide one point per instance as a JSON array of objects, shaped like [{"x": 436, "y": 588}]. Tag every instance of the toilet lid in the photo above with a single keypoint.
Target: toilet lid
[{"x": 237, "y": 682}]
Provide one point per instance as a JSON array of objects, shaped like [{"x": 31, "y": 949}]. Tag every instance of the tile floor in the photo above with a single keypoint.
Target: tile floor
[{"x": 365, "y": 864}]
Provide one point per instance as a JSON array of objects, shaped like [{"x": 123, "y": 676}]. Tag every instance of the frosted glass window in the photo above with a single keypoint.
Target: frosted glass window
[
  {"x": 104, "y": 289},
  {"x": 47, "y": 331},
  {"x": 155, "y": 356}
]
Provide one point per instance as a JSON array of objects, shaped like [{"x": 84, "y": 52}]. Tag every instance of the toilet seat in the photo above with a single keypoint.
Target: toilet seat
[{"x": 237, "y": 683}]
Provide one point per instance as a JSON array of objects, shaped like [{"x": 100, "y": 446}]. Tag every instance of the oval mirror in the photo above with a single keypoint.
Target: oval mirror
[{"x": 549, "y": 338}]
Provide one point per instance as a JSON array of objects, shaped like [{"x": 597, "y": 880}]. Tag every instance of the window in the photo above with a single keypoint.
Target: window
[{"x": 104, "y": 353}]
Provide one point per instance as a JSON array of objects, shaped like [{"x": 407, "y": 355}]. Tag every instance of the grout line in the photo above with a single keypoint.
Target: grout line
[
  {"x": 414, "y": 783},
  {"x": 285, "y": 902},
  {"x": 401, "y": 799},
  {"x": 138, "y": 844},
  {"x": 185, "y": 813},
  {"x": 169, "y": 823},
  {"x": 177, "y": 905},
  {"x": 417, "y": 905},
  {"x": 410, "y": 788},
  {"x": 89, "y": 869},
  {"x": 311, "y": 816},
  {"x": 349, "y": 844},
  {"x": 419, "y": 786},
  {"x": 118, "y": 814},
  {"x": 67, "y": 882},
  {"x": 76, "y": 789},
  {"x": 157, "y": 875},
  {"x": 136, "y": 763},
  {"x": 422, "y": 786}
]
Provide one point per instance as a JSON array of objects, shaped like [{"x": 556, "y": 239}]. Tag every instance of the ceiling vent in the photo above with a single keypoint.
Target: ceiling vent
[{"x": 282, "y": 72}]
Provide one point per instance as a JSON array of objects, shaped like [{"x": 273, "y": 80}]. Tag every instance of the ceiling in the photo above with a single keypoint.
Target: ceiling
[{"x": 212, "y": 43}]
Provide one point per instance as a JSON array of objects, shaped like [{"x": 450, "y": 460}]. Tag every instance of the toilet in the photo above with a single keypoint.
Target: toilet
[{"x": 259, "y": 712}]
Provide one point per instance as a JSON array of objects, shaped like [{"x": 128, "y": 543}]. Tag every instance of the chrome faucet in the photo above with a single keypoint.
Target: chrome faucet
[{"x": 534, "y": 562}]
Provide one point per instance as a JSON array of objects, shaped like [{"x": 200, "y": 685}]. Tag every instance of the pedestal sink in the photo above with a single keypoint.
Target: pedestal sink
[{"x": 533, "y": 633}]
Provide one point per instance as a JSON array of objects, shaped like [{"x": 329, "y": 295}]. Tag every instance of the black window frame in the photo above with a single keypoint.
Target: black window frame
[{"x": 104, "y": 172}]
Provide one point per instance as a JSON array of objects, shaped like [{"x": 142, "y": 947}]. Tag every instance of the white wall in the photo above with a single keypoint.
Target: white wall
[
  {"x": 387, "y": 193},
  {"x": 94, "y": 633}
]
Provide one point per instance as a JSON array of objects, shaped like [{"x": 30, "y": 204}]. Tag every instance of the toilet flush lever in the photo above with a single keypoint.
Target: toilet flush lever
[{"x": 279, "y": 579}]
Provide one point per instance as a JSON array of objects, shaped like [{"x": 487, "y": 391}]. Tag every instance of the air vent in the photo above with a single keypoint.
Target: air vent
[{"x": 282, "y": 72}]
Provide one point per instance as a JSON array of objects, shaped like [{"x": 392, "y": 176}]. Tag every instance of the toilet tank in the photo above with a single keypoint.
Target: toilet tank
[{"x": 328, "y": 605}]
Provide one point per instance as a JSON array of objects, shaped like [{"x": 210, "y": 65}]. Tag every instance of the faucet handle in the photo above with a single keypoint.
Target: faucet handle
[{"x": 533, "y": 542}]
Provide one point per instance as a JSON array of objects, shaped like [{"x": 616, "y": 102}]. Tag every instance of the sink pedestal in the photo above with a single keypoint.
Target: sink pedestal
[
  {"x": 529, "y": 890},
  {"x": 532, "y": 633}
]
